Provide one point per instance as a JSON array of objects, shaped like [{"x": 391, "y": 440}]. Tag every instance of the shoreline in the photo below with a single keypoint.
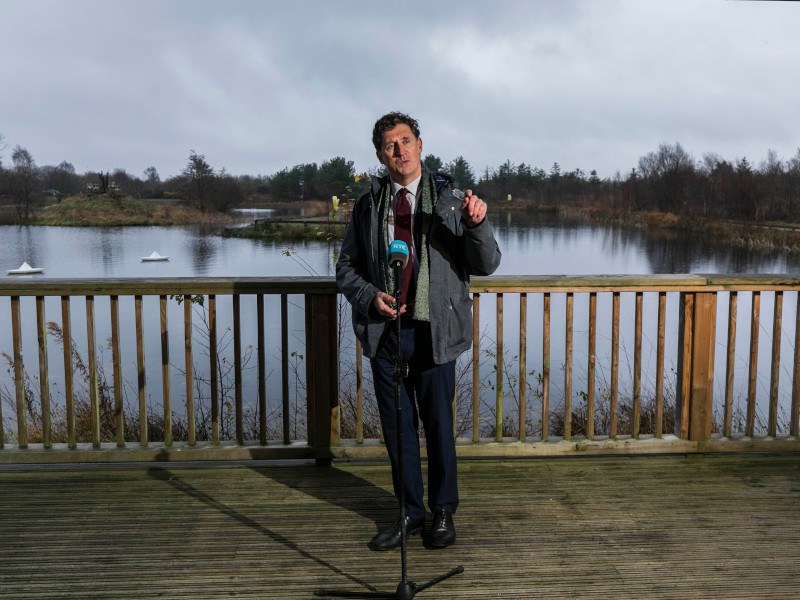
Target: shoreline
[{"x": 125, "y": 211}]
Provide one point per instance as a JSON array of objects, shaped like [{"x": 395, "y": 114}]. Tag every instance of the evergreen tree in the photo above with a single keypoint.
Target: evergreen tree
[{"x": 460, "y": 170}]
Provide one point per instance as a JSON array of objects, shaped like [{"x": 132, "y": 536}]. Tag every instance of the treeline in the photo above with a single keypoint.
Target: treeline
[
  {"x": 668, "y": 179},
  {"x": 24, "y": 184}
]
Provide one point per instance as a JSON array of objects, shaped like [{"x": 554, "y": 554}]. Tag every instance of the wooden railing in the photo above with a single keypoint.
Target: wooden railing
[
  {"x": 697, "y": 425},
  {"x": 556, "y": 387}
]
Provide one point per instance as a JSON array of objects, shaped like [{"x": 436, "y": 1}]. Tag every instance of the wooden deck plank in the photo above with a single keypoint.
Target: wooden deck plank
[{"x": 707, "y": 526}]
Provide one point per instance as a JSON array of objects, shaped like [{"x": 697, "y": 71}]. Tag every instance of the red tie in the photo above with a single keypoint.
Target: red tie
[{"x": 402, "y": 231}]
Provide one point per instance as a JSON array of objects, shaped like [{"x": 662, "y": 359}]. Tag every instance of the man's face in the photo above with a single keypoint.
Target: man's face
[{"x": 400, "y": 153}]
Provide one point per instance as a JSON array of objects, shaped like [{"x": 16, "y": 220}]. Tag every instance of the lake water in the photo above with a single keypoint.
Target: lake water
[{"x": 532, "y": 244}]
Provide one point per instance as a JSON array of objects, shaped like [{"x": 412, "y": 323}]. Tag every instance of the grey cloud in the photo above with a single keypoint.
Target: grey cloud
[{"x": 257, "y": 86}]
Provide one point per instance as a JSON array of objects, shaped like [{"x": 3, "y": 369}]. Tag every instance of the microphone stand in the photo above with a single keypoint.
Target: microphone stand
[{"x": 406, "y": 590}]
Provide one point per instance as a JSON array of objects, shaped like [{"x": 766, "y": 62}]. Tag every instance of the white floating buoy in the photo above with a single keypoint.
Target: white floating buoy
[
  {"x": 155, "y": 256},
  {"x": 25, "y": 269}
]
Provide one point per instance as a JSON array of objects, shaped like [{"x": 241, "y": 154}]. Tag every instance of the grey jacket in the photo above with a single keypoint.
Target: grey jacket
[{"x": 456, "y": 252}]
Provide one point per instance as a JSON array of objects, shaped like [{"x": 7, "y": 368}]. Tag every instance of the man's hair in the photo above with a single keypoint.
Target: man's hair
[{"x": 390, "y": 121}]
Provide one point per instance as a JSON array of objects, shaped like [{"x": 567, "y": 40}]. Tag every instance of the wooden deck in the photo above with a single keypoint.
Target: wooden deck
[{"x": 705, "y": 526}]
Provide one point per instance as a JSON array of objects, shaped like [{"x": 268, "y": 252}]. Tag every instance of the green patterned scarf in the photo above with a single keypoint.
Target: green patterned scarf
[{"x": 425, "y": 195}]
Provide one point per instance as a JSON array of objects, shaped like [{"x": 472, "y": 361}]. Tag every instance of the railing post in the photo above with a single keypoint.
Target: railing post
[
  {"x": 322, "y": 375},
  {"x": 19, "y": 374},
  {"x": 697, "y": 334}
]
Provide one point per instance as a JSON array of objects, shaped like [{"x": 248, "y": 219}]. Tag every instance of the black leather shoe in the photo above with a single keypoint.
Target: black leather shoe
[
  {"x": 390, "y": 538},
  {"x": 443, "y": 530}
]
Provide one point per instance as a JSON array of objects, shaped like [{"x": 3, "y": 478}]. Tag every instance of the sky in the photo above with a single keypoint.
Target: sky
[{"x": 260, "y": 85}]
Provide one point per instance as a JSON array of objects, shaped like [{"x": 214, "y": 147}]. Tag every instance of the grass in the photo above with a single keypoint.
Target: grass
[
  {"x": 755, "y": 237},
  {"x": 110, "y": 211},
  {"x": 318, "y": 223},
  {"x": 309, "y": 230},
  {"x": 156, "y": 422}
]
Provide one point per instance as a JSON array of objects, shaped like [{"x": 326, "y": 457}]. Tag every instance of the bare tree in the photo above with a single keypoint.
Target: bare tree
[
  {"x": 669, "y": 173},
  {"x": 226, "y": 192},
  {"x": 2, "y": 174},
  {"x": 61, "y": 179},
  {"x": 151, "y": 177},
  {"x": 25, "y": 183},
  {"x": 792, "y": 177},
  {"x": 152, "y": 183},
  {"x": 748, "y": 198},
  {"x": 127, "y": 184},
  {"x": 199, "y": 181},
  {"x": 771, "y": 179}
]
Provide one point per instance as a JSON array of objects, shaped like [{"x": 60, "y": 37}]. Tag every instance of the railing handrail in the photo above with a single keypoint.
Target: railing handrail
[
  {"x": 327, "y": 284},
  {"x": 632, "y": 283},
  {"x": 145, "y": 286}
]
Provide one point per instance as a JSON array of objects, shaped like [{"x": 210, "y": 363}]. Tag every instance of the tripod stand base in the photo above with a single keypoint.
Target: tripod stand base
[{"x": 406, "y": 590}]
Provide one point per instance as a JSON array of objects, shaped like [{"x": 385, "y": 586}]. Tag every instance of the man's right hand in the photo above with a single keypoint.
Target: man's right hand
[{"x": 384, "y": 304}]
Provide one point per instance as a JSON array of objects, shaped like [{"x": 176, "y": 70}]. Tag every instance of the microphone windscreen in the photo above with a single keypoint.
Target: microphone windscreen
[{"x": 398, "y": 253}]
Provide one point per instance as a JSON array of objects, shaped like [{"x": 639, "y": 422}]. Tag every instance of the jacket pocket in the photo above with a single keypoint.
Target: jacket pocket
[{"x": 459, "y": 321}]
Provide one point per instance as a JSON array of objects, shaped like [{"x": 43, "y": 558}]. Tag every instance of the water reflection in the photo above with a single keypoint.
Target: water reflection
[
  {"x": 669, "y": 252},
  {"x": 543, "y": 243},
  {"x": 202, "y": 250},
  {"x": 110, "y": 250},
  {"x": 29, "y": 248}
]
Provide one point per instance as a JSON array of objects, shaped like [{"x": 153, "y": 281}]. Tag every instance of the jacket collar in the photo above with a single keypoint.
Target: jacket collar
[{"x": 440, "y": 180}]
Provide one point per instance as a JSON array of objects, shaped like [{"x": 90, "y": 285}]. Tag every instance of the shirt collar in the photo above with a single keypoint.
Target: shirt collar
[{"x": 411, "y": 187}]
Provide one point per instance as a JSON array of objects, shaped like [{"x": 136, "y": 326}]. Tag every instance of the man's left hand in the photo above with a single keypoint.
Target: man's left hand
[{"x": 473, "y": 209}]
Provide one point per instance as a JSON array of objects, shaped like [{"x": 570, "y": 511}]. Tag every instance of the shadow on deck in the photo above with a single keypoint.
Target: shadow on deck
[{"x": 704, "y": 526}]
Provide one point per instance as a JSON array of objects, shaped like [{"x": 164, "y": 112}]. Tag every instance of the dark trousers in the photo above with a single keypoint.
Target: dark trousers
[{"x": 427, "y": 395}]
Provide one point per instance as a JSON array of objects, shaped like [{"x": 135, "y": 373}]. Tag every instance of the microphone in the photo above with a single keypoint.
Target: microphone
[{"x": 398, "y": 254}]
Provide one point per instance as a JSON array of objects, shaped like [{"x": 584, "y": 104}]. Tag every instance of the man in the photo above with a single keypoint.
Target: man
[{"x": 449, "y": 239}]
